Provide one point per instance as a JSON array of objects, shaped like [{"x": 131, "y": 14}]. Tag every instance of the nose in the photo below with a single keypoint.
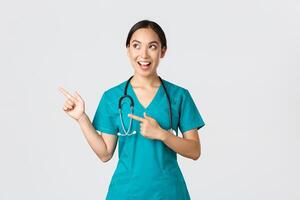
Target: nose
[{"x": 144, "y": 52}]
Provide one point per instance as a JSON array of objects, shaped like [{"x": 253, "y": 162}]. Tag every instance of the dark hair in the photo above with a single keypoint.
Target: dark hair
[{"x": 148, "y": 24}]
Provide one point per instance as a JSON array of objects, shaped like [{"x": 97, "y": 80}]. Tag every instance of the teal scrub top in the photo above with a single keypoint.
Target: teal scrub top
[{"x": 147, "y": 169}]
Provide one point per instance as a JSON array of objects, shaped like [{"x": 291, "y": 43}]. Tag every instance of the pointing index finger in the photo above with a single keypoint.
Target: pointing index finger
[
  {"x": 136, "y": 117},
  {"x": 67, "y": 94}
]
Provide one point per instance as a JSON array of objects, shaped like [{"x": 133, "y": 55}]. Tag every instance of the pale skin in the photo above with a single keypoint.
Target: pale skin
[{"x": 144, "y": 46}]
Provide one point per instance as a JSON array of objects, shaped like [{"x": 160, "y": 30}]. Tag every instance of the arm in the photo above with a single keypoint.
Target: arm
[
  {"x": 102, "y": 144},
  {"x": 188, "y": 146}
]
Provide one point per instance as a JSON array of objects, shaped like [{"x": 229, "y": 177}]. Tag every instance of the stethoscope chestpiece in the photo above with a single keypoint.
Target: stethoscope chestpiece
[{"x": 127, "y": 134}]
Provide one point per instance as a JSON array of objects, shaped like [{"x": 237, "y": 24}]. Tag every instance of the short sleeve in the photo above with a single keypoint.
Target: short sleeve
[
  {"x": 104, "y": 119},
  {"x": 190, "y": 117}
]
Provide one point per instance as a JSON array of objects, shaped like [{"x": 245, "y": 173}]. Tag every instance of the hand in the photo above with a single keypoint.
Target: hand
[
  {"x": 149, "y": 127},
  {"x": 74, "y": 105}
]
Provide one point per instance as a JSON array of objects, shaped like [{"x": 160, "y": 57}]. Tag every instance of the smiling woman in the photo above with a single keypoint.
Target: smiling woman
[
  {"x": 146, "y": 45},
  {"x": 147, "y": 167}
]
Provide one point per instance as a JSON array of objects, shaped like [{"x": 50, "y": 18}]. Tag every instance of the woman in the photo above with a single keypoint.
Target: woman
[{"x": 147, "y": 167}]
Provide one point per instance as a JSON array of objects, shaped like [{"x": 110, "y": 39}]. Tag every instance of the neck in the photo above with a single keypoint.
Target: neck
[{"x": 145, "y": 81}]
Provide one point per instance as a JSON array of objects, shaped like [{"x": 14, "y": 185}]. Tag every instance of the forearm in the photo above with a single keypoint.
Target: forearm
[
  {"x": 94, "y": 139},
  {"x": 185, "y": 147}
]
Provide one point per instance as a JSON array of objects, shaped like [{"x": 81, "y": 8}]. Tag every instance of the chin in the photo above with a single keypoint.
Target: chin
[{"x": 145, "y": 74}]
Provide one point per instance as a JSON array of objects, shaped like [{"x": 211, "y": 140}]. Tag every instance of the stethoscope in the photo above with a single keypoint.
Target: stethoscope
[{"x": 126, "y": 132}]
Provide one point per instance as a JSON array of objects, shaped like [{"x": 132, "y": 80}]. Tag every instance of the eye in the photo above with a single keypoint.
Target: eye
[
  {"x": 136, "y": 46},
  {"x": 152, "y": 46}
]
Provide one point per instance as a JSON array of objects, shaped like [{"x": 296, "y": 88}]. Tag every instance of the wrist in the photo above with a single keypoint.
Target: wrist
[
  {"x": 82, "y": 118},
  {"x": 163, "y": 135}
]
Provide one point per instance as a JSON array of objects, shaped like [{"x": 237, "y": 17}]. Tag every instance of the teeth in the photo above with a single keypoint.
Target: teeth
[{"x": 144, "y": 63}]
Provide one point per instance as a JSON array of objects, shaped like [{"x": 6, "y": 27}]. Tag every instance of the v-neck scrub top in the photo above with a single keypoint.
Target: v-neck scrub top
[{"x": 147, "y": 169}]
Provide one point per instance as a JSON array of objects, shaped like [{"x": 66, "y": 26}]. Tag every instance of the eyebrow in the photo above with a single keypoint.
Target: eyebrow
[{"x": 149, "y": 42}]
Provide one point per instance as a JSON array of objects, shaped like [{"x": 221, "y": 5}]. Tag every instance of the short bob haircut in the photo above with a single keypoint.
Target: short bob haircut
[{"x": 148, "y": 24}]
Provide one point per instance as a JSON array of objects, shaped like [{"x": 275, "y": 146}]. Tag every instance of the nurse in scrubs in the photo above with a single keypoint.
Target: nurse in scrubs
[{"x": 147, "y": 167}]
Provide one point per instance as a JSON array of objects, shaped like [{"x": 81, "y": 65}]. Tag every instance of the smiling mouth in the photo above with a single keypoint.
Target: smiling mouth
[{"x": 144, "y": 64}]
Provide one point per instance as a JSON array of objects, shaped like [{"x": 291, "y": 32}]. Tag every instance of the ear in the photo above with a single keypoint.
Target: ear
[{"x": 163, "y": 52}]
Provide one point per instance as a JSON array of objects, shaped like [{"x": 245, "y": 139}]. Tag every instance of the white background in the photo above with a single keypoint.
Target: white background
[{"x": 239, "y": 60}]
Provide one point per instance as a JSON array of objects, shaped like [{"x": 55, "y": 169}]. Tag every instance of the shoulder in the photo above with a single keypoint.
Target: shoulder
[
  {"x": 174, "y": 88},
  {"x": 176, "y": 92},
  {"x": 111, "y": 95},
  {"x": 115, "y": 90}
]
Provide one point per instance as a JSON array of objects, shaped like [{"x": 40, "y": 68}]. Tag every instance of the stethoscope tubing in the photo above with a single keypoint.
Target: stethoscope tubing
[{"x": 126, "y": 133}]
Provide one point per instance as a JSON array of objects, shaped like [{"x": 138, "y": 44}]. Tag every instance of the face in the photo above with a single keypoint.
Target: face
[{"x": 145, "y": 51}]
